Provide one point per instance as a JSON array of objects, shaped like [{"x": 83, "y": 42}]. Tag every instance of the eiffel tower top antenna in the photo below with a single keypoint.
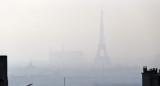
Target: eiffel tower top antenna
[
  {"x": 102, "y": 38},
  {"x": 101, "y": 28}
]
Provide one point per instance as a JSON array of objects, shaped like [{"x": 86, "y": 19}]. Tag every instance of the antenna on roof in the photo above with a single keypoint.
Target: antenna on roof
[{"x": 64, "y": 82}]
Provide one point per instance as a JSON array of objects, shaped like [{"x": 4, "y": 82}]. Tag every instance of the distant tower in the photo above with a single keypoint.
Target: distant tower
[
  {"x": 102, "y": 56},
  {"x": 3, "y": 71},
  {"x": 30, "y": 63}
]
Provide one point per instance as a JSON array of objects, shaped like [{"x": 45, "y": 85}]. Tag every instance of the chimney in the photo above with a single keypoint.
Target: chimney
[{"x": 144, "y": 69}]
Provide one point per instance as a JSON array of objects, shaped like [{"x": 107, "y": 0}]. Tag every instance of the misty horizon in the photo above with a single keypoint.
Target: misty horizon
[
  {"x": 31, "y": 29},
  {"x": 87, "y": 42}
]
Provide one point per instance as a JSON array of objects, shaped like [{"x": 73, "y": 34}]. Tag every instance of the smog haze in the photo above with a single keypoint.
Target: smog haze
[{"x": 30, "y": 29}]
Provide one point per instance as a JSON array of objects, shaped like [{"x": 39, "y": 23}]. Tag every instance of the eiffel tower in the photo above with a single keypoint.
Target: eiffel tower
[{"x": 102, "y": 56}]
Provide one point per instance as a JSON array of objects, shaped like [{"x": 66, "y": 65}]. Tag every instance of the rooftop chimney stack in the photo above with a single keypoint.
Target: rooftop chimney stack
[
  {"x": 144, "y": 69},
  {"x": 150, "y": 77}
]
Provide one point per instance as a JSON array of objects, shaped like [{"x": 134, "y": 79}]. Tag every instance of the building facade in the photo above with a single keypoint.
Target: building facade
[
  {"x": 150, "y": 77},
  {"x": 3, "y": 71}
]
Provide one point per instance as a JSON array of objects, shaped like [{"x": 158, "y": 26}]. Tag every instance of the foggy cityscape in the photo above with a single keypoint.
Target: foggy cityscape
[{"x": 80, "y": 42}]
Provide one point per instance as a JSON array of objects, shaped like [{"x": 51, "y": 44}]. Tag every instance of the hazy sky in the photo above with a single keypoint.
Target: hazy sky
[{"x": 30, "y": 28}]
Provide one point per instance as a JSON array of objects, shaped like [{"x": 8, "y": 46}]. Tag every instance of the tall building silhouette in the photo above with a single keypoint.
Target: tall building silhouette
[
  {"x": 3, "y": 71},
  {"x": 102, "y": 56}
]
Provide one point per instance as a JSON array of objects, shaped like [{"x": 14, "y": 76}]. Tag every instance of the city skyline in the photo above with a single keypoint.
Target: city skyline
[{"x": 29, "y": 26}]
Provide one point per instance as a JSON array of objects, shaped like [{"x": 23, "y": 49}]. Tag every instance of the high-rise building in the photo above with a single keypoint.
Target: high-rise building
[
  {"x": 150, "y": 77},
  {"x": 102, "y": 56},
  {"x": 3, "y": 71}
]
